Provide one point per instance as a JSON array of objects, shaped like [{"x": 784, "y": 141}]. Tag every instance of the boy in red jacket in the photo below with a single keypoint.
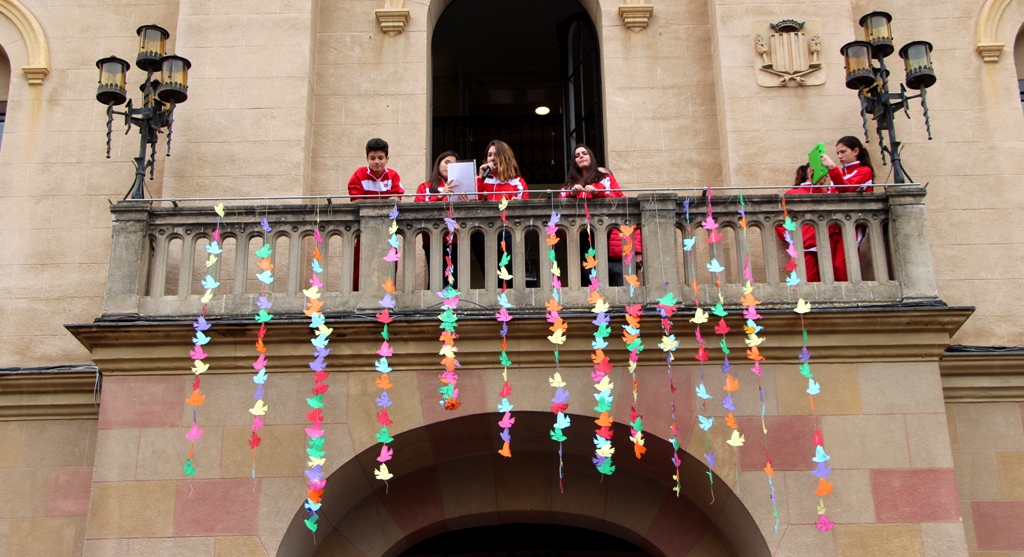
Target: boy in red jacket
[{"x": 375, "y": 180}]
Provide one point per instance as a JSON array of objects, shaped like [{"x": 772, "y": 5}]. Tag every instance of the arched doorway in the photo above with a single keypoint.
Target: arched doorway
[
  {"x": 496, "y": 64},
  {"x": 449, "y": 478}
]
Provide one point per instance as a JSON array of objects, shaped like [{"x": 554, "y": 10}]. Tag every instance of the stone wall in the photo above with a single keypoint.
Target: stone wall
[
  {"x": 988, "y": 450},
  {"x": 46, "y": 470}
]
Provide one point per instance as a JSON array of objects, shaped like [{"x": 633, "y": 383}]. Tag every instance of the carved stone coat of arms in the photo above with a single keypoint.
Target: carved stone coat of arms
[{"x": 788, "y": 53}]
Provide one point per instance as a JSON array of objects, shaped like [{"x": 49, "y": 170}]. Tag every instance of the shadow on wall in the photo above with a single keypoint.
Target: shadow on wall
[{"x": 448, "y": 476}]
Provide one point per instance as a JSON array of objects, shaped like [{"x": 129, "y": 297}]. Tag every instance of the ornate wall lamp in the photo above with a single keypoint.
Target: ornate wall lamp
[
  {"x": 158, "y": 97},
  {"x": 872, "y": 82}
]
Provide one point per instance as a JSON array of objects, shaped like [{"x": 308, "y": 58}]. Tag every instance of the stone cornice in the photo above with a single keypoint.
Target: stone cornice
[
  {"x": 58, "y": 393},
  {"x": 839, "y": 335},
  {"x": 983, "y": 375}
]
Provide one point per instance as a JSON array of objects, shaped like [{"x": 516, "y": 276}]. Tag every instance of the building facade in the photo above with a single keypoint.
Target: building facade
[{"x": 917, "y": 354}]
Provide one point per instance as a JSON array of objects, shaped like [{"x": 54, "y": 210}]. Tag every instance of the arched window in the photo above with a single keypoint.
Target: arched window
[
  {"x": 5, "y": 85},
  {"x": 525, "y": 72}
]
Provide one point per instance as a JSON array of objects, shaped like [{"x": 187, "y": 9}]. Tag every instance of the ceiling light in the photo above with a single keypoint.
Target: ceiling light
[{"x": 543, "y": 111}]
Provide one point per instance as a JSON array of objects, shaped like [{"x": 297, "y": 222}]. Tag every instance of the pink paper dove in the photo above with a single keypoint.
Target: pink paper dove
[{"x": 195, "y": 433}]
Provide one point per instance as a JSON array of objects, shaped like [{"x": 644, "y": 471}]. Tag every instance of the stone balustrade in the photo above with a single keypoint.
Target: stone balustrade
[{"x": 158, "y": 254}]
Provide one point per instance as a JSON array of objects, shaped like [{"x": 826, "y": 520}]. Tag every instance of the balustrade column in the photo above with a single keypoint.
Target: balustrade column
[
  {"x": 658, "y": 218},
  {"x": 373, "y": 245},
  {"x": 908, "y": 228},
  {"x": 129, "y": 257}
]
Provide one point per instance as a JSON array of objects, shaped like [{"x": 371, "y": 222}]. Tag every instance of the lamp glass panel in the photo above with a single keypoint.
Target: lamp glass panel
[
  {"x": 918, "y": 56},
  {"x": 857, "y": 58},
  {"x": 112, "y": 74},
  {"x": 174, "y": 71},
  {"x": 876, "y": 29},
  {"x": 152, "y": 40}
]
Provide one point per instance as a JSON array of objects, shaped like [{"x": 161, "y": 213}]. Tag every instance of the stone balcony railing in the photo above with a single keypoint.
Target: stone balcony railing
[{"x": 158, "y": 253}]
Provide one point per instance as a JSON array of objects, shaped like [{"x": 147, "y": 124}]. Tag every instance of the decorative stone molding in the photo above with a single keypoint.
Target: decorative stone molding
[
  {"x": 52, "y": 393},
  {"x": 988, "y": 28},
  {"x": 788, "y": 53},
  {"x": 393, "y": 18},
  {"x": 982, "y": 374},
  {"x": 35, "y": 40},
  {"x": 990, "y": 51},
  {"x": 636, "y": 16}
]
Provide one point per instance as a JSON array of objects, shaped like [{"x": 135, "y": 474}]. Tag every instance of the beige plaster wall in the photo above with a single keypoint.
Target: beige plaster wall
[
  {"x": 46, "y": 472},
  {"x": 988, "y": 451},
  {"x": 54, "y": 180}
]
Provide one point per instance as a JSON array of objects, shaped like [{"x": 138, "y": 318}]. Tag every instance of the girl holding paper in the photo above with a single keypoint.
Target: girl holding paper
[
  {"x": 856, "y": 173},
  {"x": 438, "y": 188}
]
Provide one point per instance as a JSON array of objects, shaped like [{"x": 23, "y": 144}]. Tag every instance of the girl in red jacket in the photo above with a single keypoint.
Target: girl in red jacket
[
  {"x": 856, "y": 173},
  {"x": 587, "y": 180},
  {"x": 437, "y": 188},
  {"x": 499, "y": 177},
  {"x": 854, "y": 176}
]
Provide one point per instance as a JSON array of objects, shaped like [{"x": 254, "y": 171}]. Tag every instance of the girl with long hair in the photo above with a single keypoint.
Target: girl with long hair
[
  {"x": 438, "y": 188},
  {"x": 588, "y": 180},
  {"x": 499, "y": 177},
  {"x": 854, "y": 173}
]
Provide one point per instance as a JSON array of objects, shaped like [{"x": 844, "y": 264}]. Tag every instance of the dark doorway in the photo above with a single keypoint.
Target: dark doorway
[
  {"x": 524, "y": 540},
  {"x": 496, "y": 62}
]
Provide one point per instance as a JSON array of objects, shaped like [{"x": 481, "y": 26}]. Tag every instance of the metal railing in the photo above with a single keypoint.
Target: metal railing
[{"x": 157, "y": 253}]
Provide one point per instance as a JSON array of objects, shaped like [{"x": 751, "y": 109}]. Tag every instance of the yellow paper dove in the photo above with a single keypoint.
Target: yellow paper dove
[
  {"x": 802, "y": 306},
  {"x": 503, "y": 204},
  {"x": 753, "y": 340},
  {"x": 208, "y": 296},
  {"x": 312, "y": 292},
  {"x": 736, "y": 440},
  {"x": 605, "y": 383},
  {"x": 200, "y": 367},
  {"x": 606, "y": 451},
  {"x": 220, "y": 209},
  {"x": 601, "y": 306},
  {"x": 558, "y": 337},
  {"x": 324, "y": 330},
  {"x": 556, "y": 380},
  {"x": 211, "y": 260},
  {"x": 393, "y": 228},
  {"x": 555, "y": 270},
  {"x": 382, "y": 473},
  {"x": 503, "y": 274},
  {"x": 699, "y": 316},
  {"x": 259, "y": 409}
]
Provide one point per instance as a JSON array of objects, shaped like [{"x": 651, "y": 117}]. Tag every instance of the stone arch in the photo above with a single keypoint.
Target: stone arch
[
  {"x": 449, "y": 477},
  {"x": 35, "y": 40},
  {"x": 437, "y": 7}
]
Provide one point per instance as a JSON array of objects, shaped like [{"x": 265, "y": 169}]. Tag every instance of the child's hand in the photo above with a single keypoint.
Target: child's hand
[
  {"x": 590, "y": 189},
  {"x": 449, "y": 188},
  {"x": 827, "y": 162}
]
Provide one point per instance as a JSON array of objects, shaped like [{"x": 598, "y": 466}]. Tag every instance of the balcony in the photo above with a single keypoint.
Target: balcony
[{"x": 158, "y": 253}]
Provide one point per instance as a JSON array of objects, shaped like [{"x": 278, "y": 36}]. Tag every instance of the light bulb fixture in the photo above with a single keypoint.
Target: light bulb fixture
[{"x": 542, "y": 111}]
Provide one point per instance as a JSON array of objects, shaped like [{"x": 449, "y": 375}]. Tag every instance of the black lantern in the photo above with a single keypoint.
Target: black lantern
[
  {"x": 867, "y": 74},
  {"x": 160, "y": 94},
  {"x": 878, "y": 33},
  {"x": 111, "y": 90},
  {"x": 917, "y": 56},
  {"x": 174, "y": 88},
  {"x": 152, "y": 41},
  {"x": 859, "y": 73}
]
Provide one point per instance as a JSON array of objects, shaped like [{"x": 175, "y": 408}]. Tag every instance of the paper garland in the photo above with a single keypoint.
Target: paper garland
[
  {"x": 198, "y": 354},
  {"x": 699, "y": 317},
  {"x": 668, "y": 344},
  {"x": 504, "y": 317},
  {"x": 386, "y": 351},
  {"x": 558, "y": 328},
  {"x": 631, "y": 334},
  {"x": 266, "y": 277},
  {"x": 751, "y": 328},
  {"x": 602, "y": 364},
  {"x": 822, "y": 471},
  {"x": 449, "y": 319},
  {"x": 315, "y": 479}
]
